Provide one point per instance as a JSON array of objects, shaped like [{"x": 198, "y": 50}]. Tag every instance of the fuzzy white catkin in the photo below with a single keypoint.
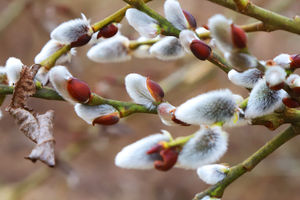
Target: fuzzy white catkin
[
  {"x": 207, "y": 146},
  {"x": 263, "y": 100},
  {"x": 220, "y": 30},
  {"x": 136, "y": 87},
  {"x": 293, "y": 80},
  {"x": 175, "y": 15},
  {"x": 142, "y": 23},
  {"x": 212, "y": 174},
  {"x": 209, "y": 198},
  {"x": 245, "y": 79},
  {"x": 240, "y": 61},
  {"x": 186, "y": 37},
  {"x": 51, "y": 47},
  {"x": 168, "y": 48},
  {"x": 59, "y": 76},
  {"x": 143, "y": 50},
  {"x": 115, "y": 49},
  {"x": 209, "y": 108},
  {"x": 72, "y": 30},
  {"x": 13, "y": 69},
  {"x": 134, "y": 156},
  {"x": 275, "y": 75},
  {"x": 283, "y": 60},
  {"x": 90, "y": 113}
]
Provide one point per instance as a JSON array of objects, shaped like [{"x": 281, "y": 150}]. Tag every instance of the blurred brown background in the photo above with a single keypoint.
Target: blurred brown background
[{"x": 89, "y": 172}]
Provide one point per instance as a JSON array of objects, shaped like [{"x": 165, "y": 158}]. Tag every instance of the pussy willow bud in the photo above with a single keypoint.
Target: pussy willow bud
[
  {"x": 245, "y": 79},
  {"x": 201, "y": 50},
  {"x": 168, "y": 48},
  {"x": 275, "y": 77},
  {"x": 179, "y": 18},
  {"x": 209, "y": 198},
  {"x": 290, "y": 102},
  {"x": 135, "y": 156},
  {"x": 295, "y": 61},
  {"x": 209, "y": 108},
  {"x": 115, "y": 49},
  {"x": 51, "y": 47},
  {"x": 283, "y": 60},
  {"x": 239, "y": 37},
  {"x": 42, "y": 76},
  {"x": 142, "y": 23},
  {"x": 240, "y": 61},
  {"x": 220, "y": 29},
  {"x": 143, "y": 91},
  {"x": 143, "y": 50},
  {"x": 107, "y": 31},
  {"x": 263, "y": 100},
  {"x": 168, "y": 158},
  {"x": 207, "y": 146},
  {"x": 186, "y": 37},
  {"x": 164, "y": 111},
  {"x": 212, "y": 174},
  {"x": 76, "y": 32},
  {"x": 101, "y": 114},
  {"x": 293, "y": 81},
  {"x": 13, "y": 68},
  {"x": 70, "y": 88},
  {"x": 201, "y": 30}
]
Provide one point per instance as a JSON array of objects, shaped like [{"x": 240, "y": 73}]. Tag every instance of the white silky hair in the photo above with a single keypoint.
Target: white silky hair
[
  {"x": 209, "y": 198},
  {"x": 42, "y": 75},
  {"x": 263, "y": 100},
  {"x": 163, "y": 111},
  {"x": 175, "y": 15},
  {"x": 186, "y": 37},
  {"x": 283, "y": 60},
  {"x": 245, "y": 79},
  {"x": 71, "y": 30},
  {"x": 51, "y": 47},
  {"x": 293, "y": 80},
  {"x": 144, "y": 24},
  {"x": 90, "y": 113},
  {"x": 201, "y": 30},
  {"x": 143, "y": 50},
  {"x": 220, "y": 29},
  {"x": 209, "y": 108},
  {"x": 136, "y": 87},
  {"x": 13, "y": 68},
  {"x": 212, "y": 174},
  {"x": 112, "y": 50},
  {"x": 59, "y": 76},
  {"x": 240, "y": 61},
  {"x": 207, "y": 146},
  {"x": 168, "y": 48},
  {"x": 275, "y": 75},
  {"x": 134, "y": 156}
]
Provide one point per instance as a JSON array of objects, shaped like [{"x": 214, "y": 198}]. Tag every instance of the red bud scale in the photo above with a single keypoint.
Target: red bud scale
[
  {"x": 107, "y": 31},
  {"x": 155, "y": 90},
  {"x": 201, "y": 50},
  {"x": 239, "y": 37},
  {"x": 78, "y": 90}
]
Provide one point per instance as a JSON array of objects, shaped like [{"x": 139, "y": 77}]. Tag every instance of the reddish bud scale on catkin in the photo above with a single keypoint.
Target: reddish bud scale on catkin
[
  {"x": 191, "y": 19},
  {"x": 296, "y": 90},
  {"x": 169, "y": 159},
  {"x": 276, "y": 87},
  {"x": 239, "y": 37},
  {"x": 155, "y": 149},
  {"x": 107, "y": 120},
  {"x": 82, "y": 40},
  {"x": 78, "y": 90},
  {"x": 107, "y": 31},
  {"x": 291, "y": 103},
  {"x": 177, "y": 121},
  {"x": 201, "y": 50},
  {"x": 295, "y": 61},
  {"x": 155, "y": 90}
]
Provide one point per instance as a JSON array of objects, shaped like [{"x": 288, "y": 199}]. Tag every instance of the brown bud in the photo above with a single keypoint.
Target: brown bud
[
  {"x": 107, "y": 31},
  {"x": 201, "y": 50},
  {"x": 239, "y": 37},
  {"x": 191, "y": 19},
  {"x": 205, "y": 26},
  {"x": 82, "y": 40},
  {"x": 109, "y": 119},
  {"x": 295, "y": 61},
  {"x": 290, "y": 102},
  {"x": 79, "y": 90},
  {"x": 296, "y": 90},
  {"x": 156, "y": 148},
  {"x": 155, "y": 90},
  {"x": 169, "y": 159}
]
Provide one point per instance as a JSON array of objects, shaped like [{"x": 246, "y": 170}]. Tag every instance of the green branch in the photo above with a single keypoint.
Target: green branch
[
  {"x": 236, "y": 171},
  {"x": 272, "y": 21}
]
